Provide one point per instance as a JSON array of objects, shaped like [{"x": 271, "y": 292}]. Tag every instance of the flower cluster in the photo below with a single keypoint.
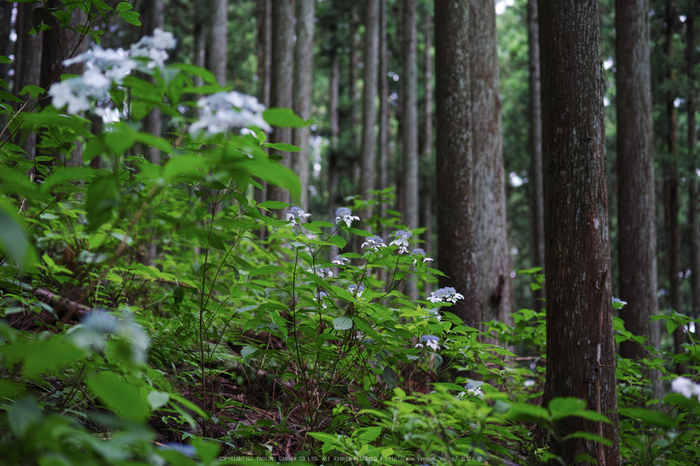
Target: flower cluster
[
  {"x": 447, "y": 294},
  {"x": 296, "y": 213},
  {"x": 225, "y": 110},
  {"x": 97, "y": 327},
  {"x": 323, "y": 272},
  {"x": 434, "y": 313},
  {"x": 420, "y": 252},
  {"x": 340, "y": 260},
  {"x": 685, "y": 387},
  {"x": 471, "y": 391},
  {"x": 402, "y": 240},
  {"x": 344, "y": 214},
  {"x": 430, "y": 340},
  {"x": 108, "y": 66},
  {"x": 356, "y": 290},
  {"x": 374, "y": 243}
]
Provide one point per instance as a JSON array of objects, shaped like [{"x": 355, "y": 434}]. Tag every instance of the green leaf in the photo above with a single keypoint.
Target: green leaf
[
  {"x": 5, "y": 60},
  {"x": 33, "y": 91},
  {"x": 131, "y": 17},
  {"x": 267, "y": 270},
  {"x": 389, "y": 377},
  {"x": 273, "y": 205},
  {"x": 589, "y": 436},
  {"x": 563, "y": 407},
  {"x": 367, "y": 434},
  {"x": 206, "y": 75},
  {"x": 671, "y": 326},
  {"x": 338, "y": 241},
  {"x": 650, "y": 417},
  {"x": 102, "y": 197},
  {"x": 206, "y": 450},
  {"x": 284, "y": 118},
  {"x": 4, "y": 95},
  {"x": 283, "y": 147},
  {"x": 12, "y": 238},
  {"x": 527, "y": 413},
  {"x": 22, "y": 415},
  {"x": 342, "y": 323},
  {"x": 123, "y": 6},
  {"x": 64, "y": 174},
  {"x": 121, "y": 396},
  {"x": 248, "y": 351},
  {"x": 187, "y": 165},
  {"x": 158, "y": 399}
]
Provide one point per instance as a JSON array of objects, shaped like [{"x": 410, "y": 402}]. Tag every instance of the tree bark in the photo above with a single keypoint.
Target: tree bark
[
  {"x": 494, "y": 285},
  {"x": 410, "y": 116},
  {"x": 383, "y": 105},
  {"x": 454, "y": 158},
  {"x": 536, "y": 188},
  {"x": 368, "y": 172},
  {"x": 670, "y": 189},
  {"x": 635, "y": 159},
  {"x": 218, "y": 43},
  {"x": 580, "y": 341},
  {"x": 281, "y": 81},
  {"x": 153, "y": 122},
  {"x": 692, "y": 145},
  {"x": 28, "y": 64},
  {"x": 264, "y": 64},
  {"x": 427, "y": 181},
  {"x": 303, "y": 84}
]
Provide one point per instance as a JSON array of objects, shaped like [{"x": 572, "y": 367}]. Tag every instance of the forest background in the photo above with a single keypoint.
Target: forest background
[{"x": 363, "y": 79}]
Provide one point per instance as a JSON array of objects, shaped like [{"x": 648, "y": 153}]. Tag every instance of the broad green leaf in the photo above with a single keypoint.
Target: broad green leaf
[
  {"x": 158, "y": 399},
  {"x": 121, "y": 396},
  {"x": 283, "y": 147},
  {"x": 206, "y": 75},
  {"x": 188, "y": 165},
  {"x": 123, "y": 6},
  {"x": 64, "y": 174},
  {"x": 367, "y": 434},
  {"x": 21, "y": 415},
  {"x": 131, "y": 17},
  {"x": 527, "y": 413},
  {"x": 13, "y": 241},
  {"x": 563, "y": 407},
  {"x": 248, "y": 351},
  {"x": 389, "y": 377},
  {"x": 589, "y": 436},
  {"x": 342, "y": 323},
  {"x": 338, "y": 241},
  {"x": 268, "y": 269},
  {"x": 284, "y": 118},
  {"x": 671, "y": 326},
  {"x": 649, "y": 417},
  {"x": 102, "y": 197},
  {"x": 273, "y": 205},
  {"x": 207, "y": 450}
]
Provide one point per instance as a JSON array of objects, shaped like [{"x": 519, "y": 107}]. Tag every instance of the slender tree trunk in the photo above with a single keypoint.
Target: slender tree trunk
[
  {"x": 494, "y": 285},
  {"x": 369, "y": 95},
  {"x": 635, "y": 158},
  {"x": 427, "y": 180},
  {"x": 400, "y": 110},
  {"x": 303, "y": 83},
  {"x": 536, "y": 188},
  {"x": 264, "y": 18},
  {"x": 580, "y": 340},
  {"x": 281, "y": 80},
  {"x": 218, "y": 44},
  {"x": 28, "y": 65},
  {"x": 410, "y": 125},
  {"x": 153, "y": 122},
  {"x": 410, "y": 116},
  {"x": 454, "y": 158},
  {"x": 5, "y": 42},
  {"x": 692, "y": 144},
  {"x": 383, "y": 105},
  {"x": 670, "y": 189}
]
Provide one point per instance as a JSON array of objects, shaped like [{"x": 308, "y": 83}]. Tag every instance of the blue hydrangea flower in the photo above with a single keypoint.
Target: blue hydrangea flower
[
  {"x": 345, "y": 215},
  {"x": 296, "y": 213},
  {"x": 447, "y": 294},
  {"x": 374, "y": 243},
  {"x": 402, "y": 240}
]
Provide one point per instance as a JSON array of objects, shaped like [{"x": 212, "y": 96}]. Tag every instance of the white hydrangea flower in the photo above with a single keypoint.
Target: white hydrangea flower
[
  {"x": 471, "y": 391},
  {"x": 447, "y": 294},
  {"x": 77, "y": 92},
  {"x": 344, "y": 214},
  {"x": 296, "y": 213},
  {"x": 154, "y": 48},
  {"x": 685, "y": 387},
  {"x": 357, "y": 291},
  {"x": 340, "y": 260},
  {"x": 432, "y": 341},
  {"x": 322, "y": 272},
  {"x": 225, "y": 110},
  {"x": 420, "y": 252},
  {"x": 434, "y": 313},
  {"x": 374, "y": 243},
  {"x": 402, "y": 240},
  {"x": 115, "y": 64}
]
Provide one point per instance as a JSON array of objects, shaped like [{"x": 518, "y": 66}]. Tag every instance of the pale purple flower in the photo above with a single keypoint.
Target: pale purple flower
[
  {"x": 344, "y": 214},
  {"x": 374, "y": 243},
  {"x": 226, "y": 110},
  {"x": 296, "y": 213},
  {"x": 340, "y": 260},
  {"x": 402, "y": 240},
  {"x": 447, "y": 294}
]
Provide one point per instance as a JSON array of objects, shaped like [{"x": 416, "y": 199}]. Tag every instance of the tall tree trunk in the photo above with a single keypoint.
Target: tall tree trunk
[
  {"x": 454, "y": 158},
  {"x": 383, "y": 106},
  {"x": 264, "y": 18},
  {"x": 281, "y": 80},
  {"x": 410, "y": 115},
  {"x": 369, "y": 95},
  {"x": 410, "y": 125},
  {"x": 670, "y": 189},
  {"x": 5, "y": 42},
  {"x": 494, "y": 285},
  {"x": 635, "y": 158},
  {"x": 580, "y": 341},
  {"x": 303, "y": 83},
  {"x": 153, "y": 122},
  {"x": 218, "y": 44},
  {"x": 536, "y": 188},
  {"x": 427, "y": 180},
  {"x": 692, "y": 144},
  {"x": 28, "y": 64},
  {"x": 400, "y": 110}
]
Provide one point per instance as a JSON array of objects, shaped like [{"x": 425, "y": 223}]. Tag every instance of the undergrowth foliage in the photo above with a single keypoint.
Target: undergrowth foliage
[{"x": 155, "y": 314}]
